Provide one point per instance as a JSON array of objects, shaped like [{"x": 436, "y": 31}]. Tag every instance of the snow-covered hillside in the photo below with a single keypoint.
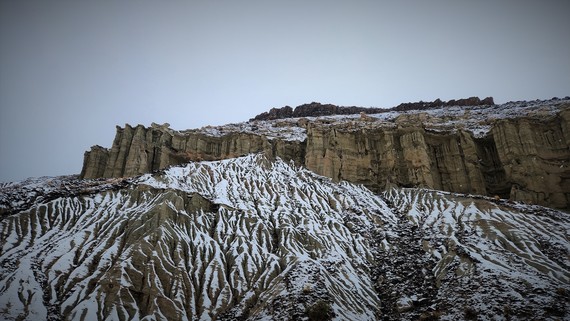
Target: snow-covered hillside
[
  {"x": 495, "y": 260},
  {"x": 256, "y": 239}
]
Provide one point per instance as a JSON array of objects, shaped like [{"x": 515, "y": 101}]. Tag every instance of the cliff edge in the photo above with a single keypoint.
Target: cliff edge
[{"x": 518, "y": 150}]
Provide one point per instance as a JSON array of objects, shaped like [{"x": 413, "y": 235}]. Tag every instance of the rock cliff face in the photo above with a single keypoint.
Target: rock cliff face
[
  {"x": 535, "y": 157},
  {"x": 404, "y": 156},
  {"x": 524, "y": 159},
  {"x": 517, "y": 150},
  {"x": 138, "y": 150}
]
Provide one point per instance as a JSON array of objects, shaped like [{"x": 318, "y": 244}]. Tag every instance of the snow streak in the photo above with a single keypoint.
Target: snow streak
[{"x": 257, "y": 239}]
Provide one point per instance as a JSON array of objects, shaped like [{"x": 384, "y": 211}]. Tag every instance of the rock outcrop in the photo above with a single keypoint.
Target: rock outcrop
[
  {"x": 316, "y": 109},
  {"x": 422, "y": 105},
  {"x": 138, "y": 150},
  {"x": 535, "y": 157},
  {"x": 404, "y": 156},
  {"x": 313, "y": 109},
  {"x": 518, "y": 151},
  {"x": 521, "y": 159}
]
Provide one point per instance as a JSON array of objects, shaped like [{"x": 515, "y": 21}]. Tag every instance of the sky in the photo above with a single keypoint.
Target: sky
[{"x": 70, "y": 71}]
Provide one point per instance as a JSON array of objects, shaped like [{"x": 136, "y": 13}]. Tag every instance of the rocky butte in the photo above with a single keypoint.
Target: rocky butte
[
  {"x": 517, "y": 150},
  {"x": 178, "y": 225}
]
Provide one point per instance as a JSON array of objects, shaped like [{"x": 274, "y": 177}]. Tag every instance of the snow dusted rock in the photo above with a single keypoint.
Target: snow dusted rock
[
  {"x": 138, "y": 150},
  {"x": 18, "y": 196},
  {"x": 239, "y": 238},
  {"x": 517, "y": 150},
  {"x": 512, "y": 150},
  {"x": 465, "y": 257},
  {"x": 254, "y": 239}
]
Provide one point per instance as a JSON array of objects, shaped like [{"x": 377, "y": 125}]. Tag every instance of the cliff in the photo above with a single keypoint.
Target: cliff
[
  {"x": 140, "y": 149},
  {"x": 518, "y": 150},
  {"x": 523, "y": 159}
]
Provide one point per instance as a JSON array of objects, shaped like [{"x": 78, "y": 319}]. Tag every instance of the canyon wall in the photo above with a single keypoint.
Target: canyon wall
[
  {"x": 535, "y": 157},
  {"x": 404, "y": 156},
  {"x": 525, "y": 159},
  {"x": 140, "y": 149}
]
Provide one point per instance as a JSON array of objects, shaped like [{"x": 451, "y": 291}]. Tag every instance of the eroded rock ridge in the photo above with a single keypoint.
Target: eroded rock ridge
[
  {"x": 316, "y": 109},
  {"x": 252, "y": 238},
  {"x": 518, "y": 150}
]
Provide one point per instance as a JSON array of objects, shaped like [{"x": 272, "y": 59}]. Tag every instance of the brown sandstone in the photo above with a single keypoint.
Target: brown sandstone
[{"x": 525, "y": 159}]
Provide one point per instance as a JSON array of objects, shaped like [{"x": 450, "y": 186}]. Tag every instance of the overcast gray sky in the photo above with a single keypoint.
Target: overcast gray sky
[{"x": 72, "y": 70}]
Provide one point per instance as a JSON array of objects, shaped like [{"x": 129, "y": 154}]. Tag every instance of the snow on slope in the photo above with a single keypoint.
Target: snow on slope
[
  {"x": 16, "y": 196},
  {"x": 249, "y": 238},
  {"x": 497, "y": 260},
  {"x": 208, "y": 240}
]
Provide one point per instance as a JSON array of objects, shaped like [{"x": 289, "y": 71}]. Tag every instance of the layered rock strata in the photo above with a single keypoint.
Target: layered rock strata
[
  {"x": 138, "y": 150},
  {"x": 525, "y": 157}
]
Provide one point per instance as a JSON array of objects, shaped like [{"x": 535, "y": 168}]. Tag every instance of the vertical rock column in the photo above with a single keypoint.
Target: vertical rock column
[
  {"x": 95, "y": 162},
  {"x": 129, "y": 155},
  {"x": 416, "y": 159},
  {"x": 535, "y": 159}
]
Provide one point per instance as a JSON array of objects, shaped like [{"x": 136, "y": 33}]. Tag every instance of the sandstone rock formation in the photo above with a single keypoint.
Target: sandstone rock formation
[
  {"x": 535, "y": 157},
  {"x": 520, "y": 159},
  {"x": 519, "y": 151},
  {"x": 138, "y": 150}
]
